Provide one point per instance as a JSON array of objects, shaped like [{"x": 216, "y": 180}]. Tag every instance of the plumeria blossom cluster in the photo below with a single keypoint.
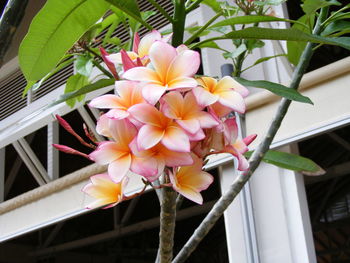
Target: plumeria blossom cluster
[{"x": 164, "y": 121}]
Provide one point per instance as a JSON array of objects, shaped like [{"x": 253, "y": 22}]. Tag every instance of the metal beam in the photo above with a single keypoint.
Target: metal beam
[
  {"x": 89, "y": 122},
  {"x": 339, "y": 140},
  {"x": 130, "y": 210},
  {"x": 124, "y": 231},
  {"x": 28, "y": 163},
  {"x": 34, "y": 159},
  {"x": 52, "y": 153},
  {"x": 331, "y": 172},
  {"x": 52, "y": 235},
  {"x": 15, "y": 169},
  {"x": 325, "y": 199}
]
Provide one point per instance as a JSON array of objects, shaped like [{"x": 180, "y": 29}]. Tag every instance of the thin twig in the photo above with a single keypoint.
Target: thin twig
[{"x": 220, "y": 206}]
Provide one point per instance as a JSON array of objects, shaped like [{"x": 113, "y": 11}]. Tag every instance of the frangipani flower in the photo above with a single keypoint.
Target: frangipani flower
[
  {"x": 140, "y": 48},
  {"x": 116, "y": 154},
  {"x": 158, "y": 128},
  {"x": 129, "y": 94},
  {"x": 171, "y": 70},
  {"x": 235, "y": 146},
  {"x": 227, "y": 92},
  {"x": 186, "y": 112},
  {"x": 158, "y": 157},
  {"x": 189, "y": 181},
  {"x": 105, "y": 190}
]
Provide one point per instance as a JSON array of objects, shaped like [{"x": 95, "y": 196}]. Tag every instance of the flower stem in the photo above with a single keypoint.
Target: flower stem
[{"x": 222, "y": 204}]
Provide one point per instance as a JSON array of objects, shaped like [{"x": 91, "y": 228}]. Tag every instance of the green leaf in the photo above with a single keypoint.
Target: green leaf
[
  {"x": 311, "y": 6},
  {"x": 135, "y": 25},
  {"x": 112, "y": 27},
  {"x": 249, "y": 19},
  {"x": 290, "y": 34},
  {"x": 213, "y": 4},
  {"x": 131, "y": 8},
  {"x": 83, "y": 65},
  {"x": 74, "y": 83},
  {"x": 53, "y": 31},
  {"x": 275, "y": 88},
  {"x": 86, "y": 89},
  {"x": 36, "y": 85},
  {"x": 295, "y": 48},
  {"x": 261, "y": 60},
  {"x": 236, "y": 52},
  {"x": 291, "y": 162},
  {"x": 210, "y": 44},
  {"x": 254, "y": 43},
  {"x": 336, "y": 26}
]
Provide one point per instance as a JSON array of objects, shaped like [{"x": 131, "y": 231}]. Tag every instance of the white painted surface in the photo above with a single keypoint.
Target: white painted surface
[
  {"x": 233, "y": 218},
  {"x": 281, "y": 215}
]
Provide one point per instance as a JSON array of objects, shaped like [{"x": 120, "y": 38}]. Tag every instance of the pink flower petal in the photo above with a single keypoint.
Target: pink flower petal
[
  {"x": 142, "y": 74},
  {"x": 191, "y": 126},
  {"x": 175, "y": 139},
  {"x": 106, "y": 102},
  {"x": 177, "y": 158},
  {"x": 230, "y": 83},
  {"x": 102, "y": 126},
  {"x": 233, "y": 100},
  {"x": 182, "y": 83},
  {"x": 149, "y": 136},
  {"x": 204, "y": 97},
  {"x": 147, "y": 167},
  {"x": 172, "y": 105},
  {"x": 152, "y": 92},
  {"x": 117, "y": 114},
  {"x": 127, "y": 61},
  {"x": 185, "y": 64},
  {"x": 106, "y": 152},
  {"x": 197, "y": 136},
  {"x": 145, "y": 113},
  {"x": 147, "y": 41},
  {"x": 123, "y": 132},
  {"x": 206, "y": 120},
  {"x": 136, "y": 42},
  {"x": 249, "y": 139},
  {"x": 162, "y": 54},
  {"x": 118, "y": 169}
]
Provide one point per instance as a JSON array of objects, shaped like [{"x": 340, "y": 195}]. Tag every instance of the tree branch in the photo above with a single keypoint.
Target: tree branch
[
  {"x": 255, "y": 159},
  {"x": 167, "y": 225}
]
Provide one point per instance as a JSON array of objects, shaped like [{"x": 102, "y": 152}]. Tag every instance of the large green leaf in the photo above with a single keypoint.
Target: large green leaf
[
  {"x": 53, "y": 31},
  {"x": 36, "y": 85},
  {"x": 291, "y": 162},
  {"x": 131, "y": 8},
  {"x": 336, "y": 26},
  {"x": 251, "y": 19},
  {"x": 290, "y": 34},
  {"x": 311, "y": 6},
  {"x": 275, "y": 88},
  {"x": 86, "y": 89},
  {"x": 75, "y": 83}
]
